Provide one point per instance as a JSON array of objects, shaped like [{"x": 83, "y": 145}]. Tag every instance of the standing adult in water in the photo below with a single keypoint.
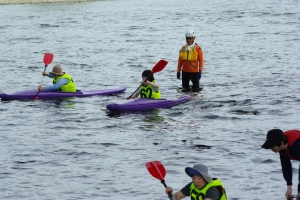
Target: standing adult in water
[
  {"x": 288, "y": 145},
  {"x": 190, "y": 62}
]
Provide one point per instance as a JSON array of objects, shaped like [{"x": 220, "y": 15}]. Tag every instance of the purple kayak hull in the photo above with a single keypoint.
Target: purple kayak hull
[
  {"x": 30, "y": 94},
  {"x": 140, "y": 104}
]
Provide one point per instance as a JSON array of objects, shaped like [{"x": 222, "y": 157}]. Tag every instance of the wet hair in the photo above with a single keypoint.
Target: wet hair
[{"x": 149, "y": 73}]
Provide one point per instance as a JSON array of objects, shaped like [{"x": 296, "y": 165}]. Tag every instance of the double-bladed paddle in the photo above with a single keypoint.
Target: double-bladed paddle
[
  {"x": 157, "y": 68},
  {"x": 48, "y": 57},
  {"x": 157, "y": 170}
]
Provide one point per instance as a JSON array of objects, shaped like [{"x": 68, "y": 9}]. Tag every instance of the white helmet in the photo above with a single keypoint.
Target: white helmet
[{"x": 190, "y": 33}]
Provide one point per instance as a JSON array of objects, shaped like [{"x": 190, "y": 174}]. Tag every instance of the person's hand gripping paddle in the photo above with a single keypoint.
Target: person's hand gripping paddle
[
  {"x": 157, "y": 68},
  {"x": 157, "y": 170},
  {"x": 48, "y": 57}
]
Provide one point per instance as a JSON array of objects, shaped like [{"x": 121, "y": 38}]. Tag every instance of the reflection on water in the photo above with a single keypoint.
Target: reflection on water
[
  {"x": 68, "y": 103},
  {"x": 154, "y": 117}
]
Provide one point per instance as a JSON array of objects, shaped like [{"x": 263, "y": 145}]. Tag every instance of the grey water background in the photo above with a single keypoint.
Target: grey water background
[{"x": 76, "y": 149}]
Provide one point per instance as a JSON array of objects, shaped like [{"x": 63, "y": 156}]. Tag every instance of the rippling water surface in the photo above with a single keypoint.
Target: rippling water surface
[{"x": 76, "y": 149}]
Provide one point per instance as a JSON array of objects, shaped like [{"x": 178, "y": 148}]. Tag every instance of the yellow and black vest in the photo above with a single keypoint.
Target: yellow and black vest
[
  {"x": 197, "y": 194},
  {"x": 70, "y": 87},
  {"x": 148, "y": 92}
]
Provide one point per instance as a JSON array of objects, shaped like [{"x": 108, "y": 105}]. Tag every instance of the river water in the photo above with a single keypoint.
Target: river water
[{"x": 76, "y": 149}]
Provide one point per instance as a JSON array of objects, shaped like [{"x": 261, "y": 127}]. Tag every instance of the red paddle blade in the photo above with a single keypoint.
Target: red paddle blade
[
  {"x": 159, "y": 66},
  {"x": 156, "y": 169},
  {"x": 48, "y": 57}
]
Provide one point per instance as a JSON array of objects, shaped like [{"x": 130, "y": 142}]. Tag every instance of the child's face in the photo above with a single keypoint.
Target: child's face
[{"x": 144, "y": 78}]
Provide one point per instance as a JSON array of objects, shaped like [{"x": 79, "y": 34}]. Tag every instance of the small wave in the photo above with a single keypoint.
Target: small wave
[
  {"x": 48, "y": 25},
  {"x": 200, "y": 146},
  {"x": 245, "y": 112},
  {"x": 24, "y": 162},
  {"x": 108, "y": 144},
  {"x": 267, "y": 161}
]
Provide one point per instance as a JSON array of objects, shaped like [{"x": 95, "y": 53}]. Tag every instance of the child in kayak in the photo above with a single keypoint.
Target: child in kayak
[
  {"x": 61, "y": 81},
  {"x": 149, "y": 87}
]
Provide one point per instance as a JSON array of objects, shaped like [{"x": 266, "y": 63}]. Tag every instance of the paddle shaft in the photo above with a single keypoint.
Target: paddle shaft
[
  {"x": 139, "y": 86},
  {"x": 44, "y": 71},
  {"x": 38, "y": 92},
  {"x": 169, "y": 193},
  {"x": 48, "y": 57}
]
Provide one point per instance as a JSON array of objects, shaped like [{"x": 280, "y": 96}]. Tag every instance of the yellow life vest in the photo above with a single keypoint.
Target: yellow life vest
[
  {"x": 190, "y": 55},
  {"x": 70, "y": 87},
  {"x": 149, "y": 92},
  {"x": 197, "y": 194}
]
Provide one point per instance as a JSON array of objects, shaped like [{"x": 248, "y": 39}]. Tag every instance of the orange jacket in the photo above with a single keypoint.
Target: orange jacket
[{"x": 191, "y": 66}]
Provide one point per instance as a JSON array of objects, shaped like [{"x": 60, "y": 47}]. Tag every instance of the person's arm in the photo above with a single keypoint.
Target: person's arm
[
  {"x": 177, "y": 196},
  {"x": 180, "y": 194},
  {"x": 179, "y": 67},
  {"x": 47, "y": 74},
  {"x": 287, "y": 172},
  {"x": 50, "y": 75},
  {"x": 200, "y": 59},
  {"x": 136, "y": 94},
  {"x": 289, "y": 194},
  {"x": 213, "y": 193},
  {"x": 286, "y": 167},
  {"x": 60, "y": 83},
  {"x": 155, "y": 85}
]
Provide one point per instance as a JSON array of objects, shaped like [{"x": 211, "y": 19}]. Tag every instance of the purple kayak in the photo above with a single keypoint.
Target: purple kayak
[
  {"x": 140, "y": 104},
  {"x": 30, "y": 94}
]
